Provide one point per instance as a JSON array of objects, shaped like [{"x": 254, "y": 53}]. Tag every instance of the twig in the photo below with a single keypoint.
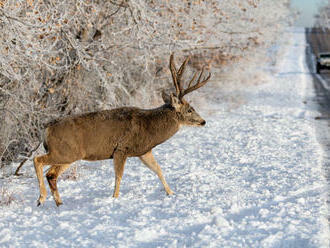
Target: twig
[
  {"x": 20, "y": 21},
  {"x": 121, "y": 5},
  {"x": 23, "y": 162}
]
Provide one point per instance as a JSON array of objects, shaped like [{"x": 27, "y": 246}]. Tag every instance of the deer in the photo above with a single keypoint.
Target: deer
[{"x": 117, "y": 134}]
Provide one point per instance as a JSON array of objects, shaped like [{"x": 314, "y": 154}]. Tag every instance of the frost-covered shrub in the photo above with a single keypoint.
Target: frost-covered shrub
[
  {"x": 6, "y": 197},
  {"x": 72, "y": 174},
  {"x": 70, "y": 56}
]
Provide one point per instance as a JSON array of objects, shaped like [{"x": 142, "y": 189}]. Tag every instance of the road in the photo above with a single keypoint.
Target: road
[{"x": 319, "y": 41}]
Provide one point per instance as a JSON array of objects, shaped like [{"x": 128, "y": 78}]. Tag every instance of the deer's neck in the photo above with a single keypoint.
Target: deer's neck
[{"x": 162, "y": 124}]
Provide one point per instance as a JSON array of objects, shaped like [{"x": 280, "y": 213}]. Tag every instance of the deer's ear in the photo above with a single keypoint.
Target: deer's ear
[
  {"x": 175, "y": 102},
  {"x": 166, "y": 98},
  {"x": 171, "y": 99}
]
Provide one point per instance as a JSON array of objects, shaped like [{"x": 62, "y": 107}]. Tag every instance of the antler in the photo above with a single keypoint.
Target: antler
[
  {"x": 197, "y": 85},
  {"x": 177, "y": 76}
]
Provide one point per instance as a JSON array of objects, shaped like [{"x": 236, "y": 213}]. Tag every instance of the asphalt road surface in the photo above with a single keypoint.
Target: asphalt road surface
[{"x": 318, "y": 41}]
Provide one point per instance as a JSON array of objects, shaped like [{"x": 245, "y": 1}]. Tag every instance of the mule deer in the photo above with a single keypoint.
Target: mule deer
[{"x": 118, "y": 134}]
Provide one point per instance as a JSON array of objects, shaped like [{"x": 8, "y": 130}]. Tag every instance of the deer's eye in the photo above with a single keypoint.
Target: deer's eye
[{"x": 189, "y": 111}]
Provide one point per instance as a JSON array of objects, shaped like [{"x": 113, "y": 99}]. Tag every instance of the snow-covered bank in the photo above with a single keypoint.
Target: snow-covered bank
[{"x": 251, "y": 178}]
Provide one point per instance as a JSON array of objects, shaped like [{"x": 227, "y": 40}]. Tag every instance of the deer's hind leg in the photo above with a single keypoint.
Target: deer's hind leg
[
  {"x": 52, "y": 175},
  {"x": 39, "y": 163},
  {"x": 149, "y": 160}
]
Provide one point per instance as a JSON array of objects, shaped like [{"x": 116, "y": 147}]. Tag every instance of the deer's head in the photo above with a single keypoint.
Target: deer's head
[{"x": 186, "y": 113}]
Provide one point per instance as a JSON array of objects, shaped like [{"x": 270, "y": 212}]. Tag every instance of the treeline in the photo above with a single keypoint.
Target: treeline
[
  {"x": 63, "y": 57},
  {"x": 322, "y": 19}
]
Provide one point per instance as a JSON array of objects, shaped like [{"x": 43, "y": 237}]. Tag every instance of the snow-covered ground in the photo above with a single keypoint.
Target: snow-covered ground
[{"x": 251, "y": 178}]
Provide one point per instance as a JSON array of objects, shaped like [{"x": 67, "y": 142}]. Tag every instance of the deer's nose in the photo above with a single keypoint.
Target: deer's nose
[{"x": 203, "y": 123}]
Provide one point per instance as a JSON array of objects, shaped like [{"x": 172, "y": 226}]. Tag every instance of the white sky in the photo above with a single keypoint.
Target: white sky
[{"x": 307, "y": 8}]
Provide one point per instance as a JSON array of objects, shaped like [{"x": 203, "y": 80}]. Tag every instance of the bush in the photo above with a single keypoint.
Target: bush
[
  {"x": 64, "y": 57},
  {"x": 6, "y": 197}
]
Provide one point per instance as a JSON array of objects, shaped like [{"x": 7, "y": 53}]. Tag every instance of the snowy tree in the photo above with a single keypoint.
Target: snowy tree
[{"x": 65, "y": 57}]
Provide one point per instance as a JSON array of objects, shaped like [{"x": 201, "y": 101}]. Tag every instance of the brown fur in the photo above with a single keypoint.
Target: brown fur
[{"x": 118, "y": 134}]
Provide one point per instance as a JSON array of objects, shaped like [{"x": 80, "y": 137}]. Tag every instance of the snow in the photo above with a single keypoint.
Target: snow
[{"x": 251, "y": 178}]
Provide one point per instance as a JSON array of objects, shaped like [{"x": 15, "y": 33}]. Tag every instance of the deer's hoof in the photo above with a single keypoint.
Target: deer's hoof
[
  {"x": 39, "y": 203},
  {"x": 41, "y": 200},
  {"x": 169, "y": 192}
]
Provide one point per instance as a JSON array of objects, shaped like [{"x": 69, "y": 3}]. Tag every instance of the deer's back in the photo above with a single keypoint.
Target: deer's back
[{"x": 90, "y": 136}]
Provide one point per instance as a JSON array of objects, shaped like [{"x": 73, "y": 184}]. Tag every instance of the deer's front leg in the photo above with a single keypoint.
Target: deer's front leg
[
  {"x": 119, "y": 160},
  {"x": 149, "y": 160}
]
